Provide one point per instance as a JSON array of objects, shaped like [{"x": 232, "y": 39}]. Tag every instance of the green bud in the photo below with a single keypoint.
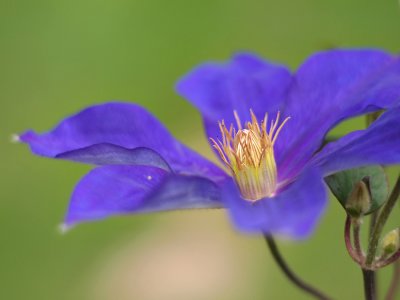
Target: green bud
[
  {"x": 391, "y": 242},
  {"x": 359, "y": 201}
]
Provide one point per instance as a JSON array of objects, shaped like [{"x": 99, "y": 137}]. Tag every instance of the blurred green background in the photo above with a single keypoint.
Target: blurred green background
[{"x": 57, "y": 57}]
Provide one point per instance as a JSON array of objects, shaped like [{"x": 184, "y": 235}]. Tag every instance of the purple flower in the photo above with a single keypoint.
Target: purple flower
[{"x": 273, "y": 181}]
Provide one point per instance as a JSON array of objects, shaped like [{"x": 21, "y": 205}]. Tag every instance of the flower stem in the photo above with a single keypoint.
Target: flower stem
[
  {"x": 380, "y": 223},
  {"x": 347, "y": 239},
  {"x": 356, "y": 235},
  {"x": 388, "y": 261},
  {"x": 289, "y": 273},
  {"x": 394, "y": 284},
  {"x": 370, "y": 277},
  {"x": 369, "y": 284},
  {"x": 374, "y": 217}
]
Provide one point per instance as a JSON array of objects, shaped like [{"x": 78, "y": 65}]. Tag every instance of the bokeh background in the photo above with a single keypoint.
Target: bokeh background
[{"x": 57, "y": 57}]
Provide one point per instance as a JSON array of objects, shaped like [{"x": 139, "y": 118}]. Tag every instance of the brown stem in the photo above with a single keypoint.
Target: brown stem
[
  {"x": 369, "y": 284},
  {"x": 289, "y": 273},
  {"x": 357, "y": 242},
  {"x": 394, "y": 284},
  {"x": 389, "y": 260},
  {"x": 347, "y": 240}
]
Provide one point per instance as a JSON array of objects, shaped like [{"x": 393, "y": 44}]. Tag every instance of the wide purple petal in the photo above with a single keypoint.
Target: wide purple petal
[
  {"x": 378, "y": 144},
  {"x": 293, "y": 213},
  {"x": 109, "y": 154},
  {"x": 245, "y": 82},
  {"x": 329, "y": 87},
  {"x": 120, "y": 124},
  {"x": 115, "y": 190}
]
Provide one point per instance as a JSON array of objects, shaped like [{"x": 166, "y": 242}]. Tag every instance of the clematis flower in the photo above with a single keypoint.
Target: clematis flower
[{"x": 266, "y": 125}]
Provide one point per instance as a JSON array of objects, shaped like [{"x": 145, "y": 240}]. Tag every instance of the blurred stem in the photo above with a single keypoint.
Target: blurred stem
[
  {"x": 374, "y": 217},
  {"x": 388, "y": 261},
  {"x": 394, "y": 284},
  {"x": 289, "y": 273},
  {"x": 380, "y": 223},
  {"x": 349, "y": 245},
  {"x": 356, "y": 235},
  {"x": 370, "y": 277},
  {"x": 370, "y": 118},
  {"x": 369, "y": 284}
]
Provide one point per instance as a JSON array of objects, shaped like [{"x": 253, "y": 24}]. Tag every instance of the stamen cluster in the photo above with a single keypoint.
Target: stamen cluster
[{"x": 249, "y": 154}]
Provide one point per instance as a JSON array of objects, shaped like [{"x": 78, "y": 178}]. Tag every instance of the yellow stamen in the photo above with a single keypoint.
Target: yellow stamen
[{"x": 249, "y": 154}]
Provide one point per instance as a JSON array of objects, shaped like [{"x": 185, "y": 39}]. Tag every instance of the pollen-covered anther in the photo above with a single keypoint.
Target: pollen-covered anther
[{"x": 248, "y": 152}]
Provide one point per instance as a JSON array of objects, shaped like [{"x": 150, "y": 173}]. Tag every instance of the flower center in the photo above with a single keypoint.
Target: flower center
[{"x": 249, "y": 154}]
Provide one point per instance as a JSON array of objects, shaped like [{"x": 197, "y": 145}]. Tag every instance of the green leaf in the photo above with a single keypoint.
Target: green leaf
[{"x": 342, "y": 183}]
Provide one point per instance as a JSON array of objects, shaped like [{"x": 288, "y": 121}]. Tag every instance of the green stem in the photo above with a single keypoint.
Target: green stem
[
  {"x": 380, "y": 223},
  {"x": 374, "y": 217},
  {"x": 289, "y": 273},
  {"x": 370, "y": 277},
  {"x": 395, "y": 282}
]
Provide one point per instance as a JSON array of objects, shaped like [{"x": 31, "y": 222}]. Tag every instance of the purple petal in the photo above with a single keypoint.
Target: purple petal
[
  {"x": 329, "y": 87},
  {"x": 293, "y": 213},
  {"x": 378, "y": 144},
  {"x": 246, "y": 82},
  {"x": 120, "y": 124},
  {"x": 116, "y": 190},
  {"x": 109, "y": 154}
]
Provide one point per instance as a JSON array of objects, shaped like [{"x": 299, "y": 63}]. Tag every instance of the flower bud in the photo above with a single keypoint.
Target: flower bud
[
  {"x": 359, "y": 201},
  {"x": 391, "y": 242}
]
